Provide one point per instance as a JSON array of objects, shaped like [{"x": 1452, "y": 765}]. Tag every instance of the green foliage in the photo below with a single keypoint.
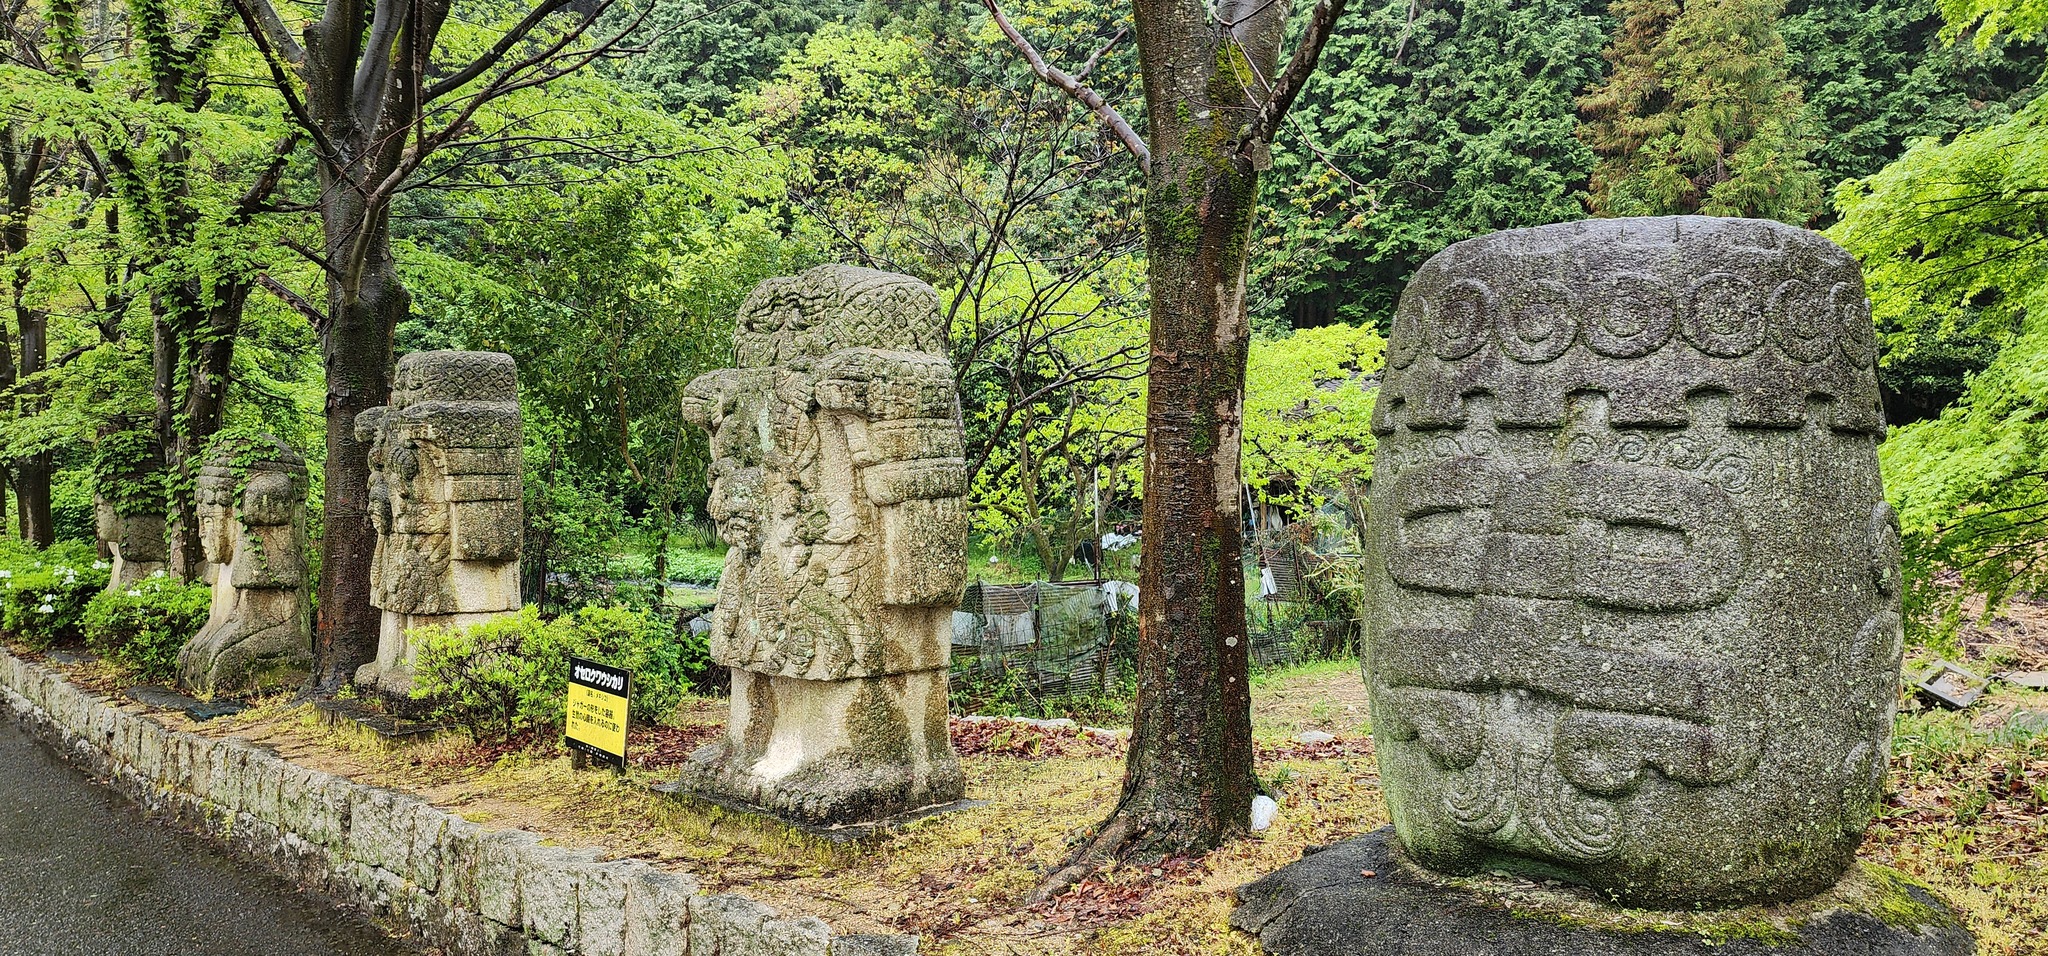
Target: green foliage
[
  {"x": 1988, "y": 19},
  {"x": 510, "y": 675},
  {"x": 1878, "y": 75},
  {"x": 1308, "y": 414},
  {"x": 708, "y": 55},
  {"x": 1428, "y": 123},
  {"x": 143, "y": 627},
  {"x": 43, "y": 594},
  {"x": 1951, "y": 238},
  {"x": 1700, "y": 115}
]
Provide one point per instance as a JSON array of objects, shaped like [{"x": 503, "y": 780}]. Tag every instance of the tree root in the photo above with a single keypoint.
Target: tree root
[{"x": 1117, "y": 836}]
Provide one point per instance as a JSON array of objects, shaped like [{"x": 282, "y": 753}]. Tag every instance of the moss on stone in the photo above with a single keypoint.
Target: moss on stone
[{"x": 1868, "y": 889}]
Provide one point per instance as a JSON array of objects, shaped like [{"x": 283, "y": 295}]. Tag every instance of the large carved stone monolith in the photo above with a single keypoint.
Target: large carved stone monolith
[
  {"x": 1632, "y": 598},
  {"x": 445, "y": 497},
  {"x": 836, "y": 481},
  {"x": 252, "y": 525}
]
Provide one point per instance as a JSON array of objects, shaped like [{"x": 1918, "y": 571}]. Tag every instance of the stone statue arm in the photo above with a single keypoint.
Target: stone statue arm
[{"x": 901, "y": 416}]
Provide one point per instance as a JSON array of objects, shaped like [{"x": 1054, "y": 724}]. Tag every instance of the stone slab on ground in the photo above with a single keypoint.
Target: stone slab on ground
[
  {"x": 166, "y": 699},
  {"x": 843, "y": 833},
  {"x": 1323, "y": 906}
]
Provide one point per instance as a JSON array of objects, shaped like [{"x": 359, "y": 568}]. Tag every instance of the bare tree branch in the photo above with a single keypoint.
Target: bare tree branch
[
  {"x": 1074, "y": 88},
  {"x": 293, "y": 299},
  {"x": 264, "y": 22},
  {"x": 1287, "y": 85}
]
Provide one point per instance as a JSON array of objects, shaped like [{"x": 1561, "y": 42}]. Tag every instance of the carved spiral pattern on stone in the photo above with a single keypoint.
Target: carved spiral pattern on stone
[
  {"x": 1721, "y": 317},
  {"x": 1852, "y": 312},
  {"x": 1542, "y": 326},
  {"x": 1802, "y": 322},
  {"x": 1479, "y": 798},
  {"x": 1634, "y": 316},
  {"x": 1575, "y": 825},
  {"x": 1404, "y": 340},
  {"x": 1467, "y": 320}
]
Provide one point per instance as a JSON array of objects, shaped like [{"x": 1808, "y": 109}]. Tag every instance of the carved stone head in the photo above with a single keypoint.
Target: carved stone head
[
  {"x": 251, "y": 499},
  {"x": 1633, "y": 611}
]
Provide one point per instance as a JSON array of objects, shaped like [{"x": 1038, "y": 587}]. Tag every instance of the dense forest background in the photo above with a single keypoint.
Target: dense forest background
[{"x": 172, "y": 273}]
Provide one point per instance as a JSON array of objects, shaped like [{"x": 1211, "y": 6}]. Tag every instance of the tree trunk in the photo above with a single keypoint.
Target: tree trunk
[
  {"x": 32, "y": 472},
  {"x": 363, "y": 309},
  {"x": 187, "y": 420},
  {"x": 1188, "y": 781}
]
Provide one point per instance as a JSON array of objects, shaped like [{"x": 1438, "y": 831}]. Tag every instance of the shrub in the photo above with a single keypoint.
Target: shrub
[
  {"x": 143, "y": 627},
  {"x": 510, "y": 675},
  {"x": 43, "y": 593}
]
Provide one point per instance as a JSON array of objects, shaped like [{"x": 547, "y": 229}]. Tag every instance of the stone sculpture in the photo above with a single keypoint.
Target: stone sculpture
[
  {"x": 836, "y": 480},
  {"x": 128, "y": 509},
  {"x": 445, "y": 497},
  {"x": 252, "y": 524},
  {"x": 1633, "y": 609},
  {"x": 133, "y": 542}
]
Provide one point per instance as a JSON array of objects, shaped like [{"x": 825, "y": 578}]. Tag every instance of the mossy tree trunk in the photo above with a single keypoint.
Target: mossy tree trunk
[
  {"x": 1214, "y": 96},
  {"x": 374, "y": 90}
]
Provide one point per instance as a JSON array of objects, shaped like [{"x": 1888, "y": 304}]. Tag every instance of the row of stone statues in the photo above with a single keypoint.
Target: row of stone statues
[
  {"x": 445, "y": 498},
  {"x": 1632, "y": 612}
]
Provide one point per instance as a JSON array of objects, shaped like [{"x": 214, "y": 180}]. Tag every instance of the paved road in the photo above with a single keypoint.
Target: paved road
[{"x": 83, "y": 874}]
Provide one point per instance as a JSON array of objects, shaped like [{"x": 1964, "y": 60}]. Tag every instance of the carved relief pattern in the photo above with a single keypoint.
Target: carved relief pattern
[
  {"x": 1531, "y": 335},
  {"x": 837, "y": 479},
  {"x": 445, "y": 482},
  {"x": 1630, "y": 575}
]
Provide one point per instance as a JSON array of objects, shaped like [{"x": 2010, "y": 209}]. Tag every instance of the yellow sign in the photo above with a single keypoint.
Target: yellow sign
[{"x": 598, "y": 695}]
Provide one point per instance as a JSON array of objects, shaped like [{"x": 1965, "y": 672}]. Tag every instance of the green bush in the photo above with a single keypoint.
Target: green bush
[
  {"x": 510, "y": 675},
  {"x": 43, "y": 593},
  {"x": 143, "y": 627}
]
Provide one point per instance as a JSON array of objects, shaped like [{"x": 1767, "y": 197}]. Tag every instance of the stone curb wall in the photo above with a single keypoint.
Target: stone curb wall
[{"x": 449, "y": 882}]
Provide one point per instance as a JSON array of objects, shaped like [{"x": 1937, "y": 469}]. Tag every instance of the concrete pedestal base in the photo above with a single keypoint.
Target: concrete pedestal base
[
  {"x": 1324, "y": 906},
  {"x": 826, "y": 753}
]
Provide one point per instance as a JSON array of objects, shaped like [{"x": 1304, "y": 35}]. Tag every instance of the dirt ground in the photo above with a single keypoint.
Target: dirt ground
[{"x": 1970, "y": 792}]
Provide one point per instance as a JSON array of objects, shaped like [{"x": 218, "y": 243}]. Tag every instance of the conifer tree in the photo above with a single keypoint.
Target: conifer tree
[{"x": 1699, "y": 115}]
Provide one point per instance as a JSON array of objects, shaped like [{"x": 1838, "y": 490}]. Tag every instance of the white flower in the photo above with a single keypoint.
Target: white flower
[
  {"x": 46, "y": 609},
  {"x": 4, "y": 573},
  {"x": 100, "y": 565},
  {"x": 157, "y": 573},
  {"x": 47, "y": 598},
  {"x": 134, "y": 593}
]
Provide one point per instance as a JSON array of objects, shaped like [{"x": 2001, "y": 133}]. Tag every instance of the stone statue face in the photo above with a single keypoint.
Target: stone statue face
[
  {"x": 217, "y": 518},
  {"x": 836, "y": 474},
  {"x": 445, "y": 473},
  {"x": 1633, "y": 609}
]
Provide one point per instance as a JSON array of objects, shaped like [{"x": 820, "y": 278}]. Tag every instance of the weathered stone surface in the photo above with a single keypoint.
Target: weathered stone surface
[
  {"x": 133, "y": 542},
  {"x": 1323, "y": 906},
  {"x": 837, "y": 480},
  {"x": 252, "y": 524},
  {"x": 445, "y": 498},
  {"x": 1633, "y": 609}
]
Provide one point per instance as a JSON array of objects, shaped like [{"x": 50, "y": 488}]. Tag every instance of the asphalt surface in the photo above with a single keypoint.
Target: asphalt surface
[{"x": 83, "y": 874}]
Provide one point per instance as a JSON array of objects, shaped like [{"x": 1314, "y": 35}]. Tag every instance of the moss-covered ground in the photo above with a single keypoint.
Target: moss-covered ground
[{"x": 1967, "y": 815}]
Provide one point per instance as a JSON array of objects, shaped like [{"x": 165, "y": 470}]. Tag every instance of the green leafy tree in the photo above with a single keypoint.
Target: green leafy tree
[
  {"x": 1700, "y": 114},
  {"x": 1880, "y": 74},
  {"x": 1432, "y": 123},
  {"x": 708, "y": 55},
  {"x": 1308, "y": 416},
  {"x": 612, "y": 285},
  {"x": 1954, "y": 241}
]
